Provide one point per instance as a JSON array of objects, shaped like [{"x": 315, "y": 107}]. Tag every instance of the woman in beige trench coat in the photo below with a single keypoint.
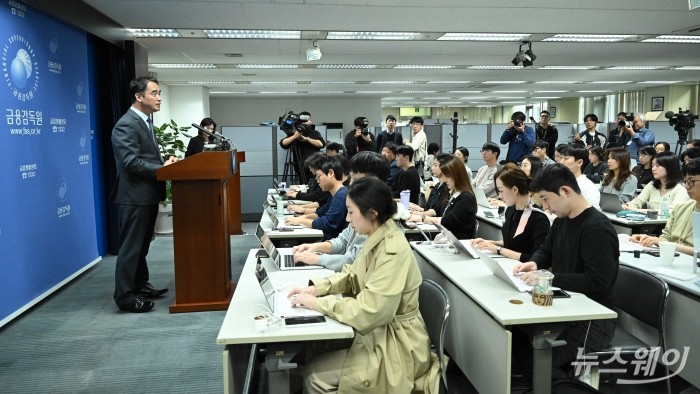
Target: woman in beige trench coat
[{"x": 391, "y": 349}]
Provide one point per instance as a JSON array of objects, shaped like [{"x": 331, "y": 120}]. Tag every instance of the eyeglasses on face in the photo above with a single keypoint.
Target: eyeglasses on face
[{"x": 689, "y": 182}]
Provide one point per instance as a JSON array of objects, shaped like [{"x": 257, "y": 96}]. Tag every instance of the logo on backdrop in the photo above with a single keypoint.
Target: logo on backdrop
[
  {"x": 54, "y": 65},
  {"x": 20, "y": 68}
]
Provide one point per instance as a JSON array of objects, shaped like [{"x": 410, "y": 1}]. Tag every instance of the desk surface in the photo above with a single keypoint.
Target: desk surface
[
  {"x": 248, "y": 299},
  {"x": 266, "y": 224},
  {"x": 495, "y": 296},
  {"x": 634, "y": 223}
]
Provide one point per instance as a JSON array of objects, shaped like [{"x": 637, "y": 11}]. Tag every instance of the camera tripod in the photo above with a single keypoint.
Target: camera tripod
[
  {"x": 293, "y": 172},
  {"x": 681, "y": 144}
]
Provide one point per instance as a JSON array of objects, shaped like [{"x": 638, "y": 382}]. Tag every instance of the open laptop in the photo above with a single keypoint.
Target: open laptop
[
  {"x": 463, "y": 246},
  {"x": 276, "y": 184},
  {"x": 279, "y": 304},
  {"x": 610, "y": 203},
  {"x": 481, "y": 198},
  {"x": 283, "y": 257},
  {"x": 501, "y": 273}
]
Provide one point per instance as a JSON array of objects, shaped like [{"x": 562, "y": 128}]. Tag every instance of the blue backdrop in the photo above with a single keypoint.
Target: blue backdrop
[{"x": 47, "y": 213}]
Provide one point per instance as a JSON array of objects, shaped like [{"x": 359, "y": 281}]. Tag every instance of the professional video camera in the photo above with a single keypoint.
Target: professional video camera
[
  {"x": 291, "y": 122},
  {"x": 681, "y": 122},
  {"x": 629, "y": 118}
]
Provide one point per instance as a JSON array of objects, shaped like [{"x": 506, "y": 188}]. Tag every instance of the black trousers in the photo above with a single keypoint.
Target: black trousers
[{"x": 135, "y": 235}]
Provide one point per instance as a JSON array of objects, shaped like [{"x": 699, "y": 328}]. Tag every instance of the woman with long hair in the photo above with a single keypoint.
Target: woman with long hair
[
  {"x": 619, "y": 179},
  {"x": 595, "y": 170},
  {"x": 667, "y": 184},
  {"x": 643, "y": 170},
  {"x": 391, "y": 348},
  {"x": 440, "y": 194},
  {"x": 460, "y": 214},
  {"x": 525, "y": 227}
]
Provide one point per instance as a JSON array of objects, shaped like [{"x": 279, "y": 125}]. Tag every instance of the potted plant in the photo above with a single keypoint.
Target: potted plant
[{"x": 170, "y": 145}]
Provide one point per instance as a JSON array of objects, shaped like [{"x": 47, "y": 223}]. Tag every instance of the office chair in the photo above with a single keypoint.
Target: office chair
[
  {"x": 434, "y": 306},
  {"x": 649, "y": 309}
]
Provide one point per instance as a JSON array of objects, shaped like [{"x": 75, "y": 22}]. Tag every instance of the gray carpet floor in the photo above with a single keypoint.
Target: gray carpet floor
[{"x": 77, "y": 341}]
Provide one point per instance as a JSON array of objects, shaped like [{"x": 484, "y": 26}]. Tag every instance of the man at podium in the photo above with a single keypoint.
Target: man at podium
[{"x": 137, "y": 194}]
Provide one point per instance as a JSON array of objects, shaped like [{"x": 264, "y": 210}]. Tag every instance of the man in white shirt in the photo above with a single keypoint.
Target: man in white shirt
[
  {"x": 419, "y": 143},
  {"x": 484, "y": 177},
  {"x": 573, "y": 157}
]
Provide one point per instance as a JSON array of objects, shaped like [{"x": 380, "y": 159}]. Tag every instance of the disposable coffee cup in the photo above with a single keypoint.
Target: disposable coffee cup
[
  {"x": 542, "y": 288},
  {"x": 666, "y": 252},
  {"x": 405, "y": 198},
  {"x": 652, "y": 215}
]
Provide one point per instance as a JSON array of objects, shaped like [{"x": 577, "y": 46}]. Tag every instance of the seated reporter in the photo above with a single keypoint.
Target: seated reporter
[
  {"x": 329, "y": 218},
  {"x": 335, "y": 253},
  {"x": 313, "y": 192},
  {"x": 619, "y": 179},
  {"x": 525, "y": 227},
  {"x": 391, "y": 349},
  {"x": 666, "y": 184},
  {"x": 460, "y": 214},
  {"x": 440, "y": 195},
  {"x": 679, "y": 227}
]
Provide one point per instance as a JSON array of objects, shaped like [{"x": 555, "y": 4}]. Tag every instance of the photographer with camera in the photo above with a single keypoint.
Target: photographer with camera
[
  {"x": 618, "y": 136},
  {"x": 637, "y": 134},
  {"x": 519, "y": 137},
  {"x": 303, "y": 138},
  {"x": 360, "y": 139}
]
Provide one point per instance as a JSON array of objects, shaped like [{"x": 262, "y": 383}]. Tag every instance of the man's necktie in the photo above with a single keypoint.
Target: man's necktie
[{"x": 150, "y": 128}]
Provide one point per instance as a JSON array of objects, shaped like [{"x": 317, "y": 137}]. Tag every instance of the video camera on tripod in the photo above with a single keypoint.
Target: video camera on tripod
[
  {"x": 291, "y": 122},
  {"x": 682, "y": 121}
]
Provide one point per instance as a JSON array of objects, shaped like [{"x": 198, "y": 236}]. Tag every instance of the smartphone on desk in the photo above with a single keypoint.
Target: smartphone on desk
[
  {"x": 559, "y": 293},
  {"x": 489, "y": 214},
  {"x": 301, "y": 320},
  {"x": 656, "y": 253}
]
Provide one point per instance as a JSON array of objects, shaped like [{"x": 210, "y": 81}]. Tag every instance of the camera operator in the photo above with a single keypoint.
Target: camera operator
[
  {"x": 360, "y": 139},
  {"x": 591, "y": 136},
  {"x": 390, "y": 134},
  {"x": 519, "y": 137},
  {"x": 304, "y": 143},
  {"x": 639, "y": 135},
  {"x": 547, "y": 132},
  {"x": 618, "y": 136}
]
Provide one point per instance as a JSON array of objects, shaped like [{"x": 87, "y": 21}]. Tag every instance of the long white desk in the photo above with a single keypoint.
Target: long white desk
[
  {"x": 237, "y": 331},
  {"x": 489, "y": 228},
  {"x": 682, "y": 312},
  {"x": 289, "y": 238},
  {"x": 626, "y": 226},
  {"x": 483, "y": 309}
]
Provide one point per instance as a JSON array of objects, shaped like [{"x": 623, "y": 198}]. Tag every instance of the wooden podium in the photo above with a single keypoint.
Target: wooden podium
[{"x": 202, "y": 199}]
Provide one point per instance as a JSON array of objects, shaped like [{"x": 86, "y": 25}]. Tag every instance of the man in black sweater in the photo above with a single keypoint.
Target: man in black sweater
[
  {"x": 408, "y": 178},
  {"x": 582, "y": 250}
]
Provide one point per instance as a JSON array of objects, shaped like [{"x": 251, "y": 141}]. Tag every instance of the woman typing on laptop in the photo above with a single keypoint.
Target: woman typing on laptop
[
  {"x": 619, "y": 179},
  {"x": 391, "y": 350},
  {"x": 525, "y": 227}
]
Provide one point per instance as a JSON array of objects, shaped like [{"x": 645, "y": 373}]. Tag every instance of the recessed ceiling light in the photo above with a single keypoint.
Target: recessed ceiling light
[
  {"x": 513, "y": 102},
  {"x": 550, "y": 91},
  {"x": 567, "y": 67},
  {"x": 155, "y": 33},
  {"x": 222, "y": 92},
  {"x": 448, "y": 82},
  {"x": 333, "y": 82},
  {"x": 255, "y": 34},
  {"x": 593, "y": 91},
  {"x": 675, "y": 39},
  {"x": 418, "y": 91},
  {"x": 417, "y": 102},
  {"x": 609, "y": 82},
  {"x": 688, "y": 68},
  {"x": 392, "y": 82},
  {"x": 422, "y": 66},
  {"x": 483, "y": 37},
  {"x": 327, "y": 92},
  {"x": 635, "y": 67},
  {"x": 510, "y": 97},
  {"x": 465, "y": 91},
  {"x": 374, "y": 91},
  {"x": 502, "y": 82},
  {"x": 546, "y": 98},
  {"x": 589, "y": 37},
  {"x": 437, "y": 98},
  {"x": 370, "y": 35},
  {"x": 267, "y": 65},
  {"x": 508, "y": 91},
  {"x": 278, "y": 92},
  {"x": 181, "y": 65},
  {"x": 494, "y": 67},
  {"x": 557, "y": 82},
  {"x": 660, "y": 82},
  {"x": 398, "y": 98},
  {"x": 212, "y": 82},
  {"x": 345, "y": 66},
  {"x": 273, "y": 82},
  {"x": 449, "y": 102}
]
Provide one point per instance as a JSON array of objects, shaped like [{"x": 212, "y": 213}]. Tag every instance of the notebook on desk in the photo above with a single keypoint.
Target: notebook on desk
[
  {"x": 283, "y": 257},
  {"x": 501, "y": 273},
  {"x": 481, "y": 198},
  {"x": 610, "y": 203},
  {"x": 278, "y": 302}
]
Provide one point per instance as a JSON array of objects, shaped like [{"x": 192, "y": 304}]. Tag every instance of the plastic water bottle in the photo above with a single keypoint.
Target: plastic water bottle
[
  {"x": 664, "y": 208},
  {"x": 280, "y": 205}
]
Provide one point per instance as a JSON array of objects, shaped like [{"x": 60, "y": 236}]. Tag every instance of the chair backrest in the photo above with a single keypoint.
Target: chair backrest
[
  {"x": 641, "y": 295},
  {"x": 434, "y": 306}
]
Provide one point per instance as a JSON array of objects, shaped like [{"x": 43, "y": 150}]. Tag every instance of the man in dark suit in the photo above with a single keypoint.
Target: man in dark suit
[{"x": 137, "y": 194}]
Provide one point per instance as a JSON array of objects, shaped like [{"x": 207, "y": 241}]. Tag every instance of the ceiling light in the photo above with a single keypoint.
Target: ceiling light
[
  {"x": 273, "y": 82},
  {"x": 502, "y": 82},
  {"x": 546, "y": 98},
  {"x": 212, "y": 82},
  {"x": 526, "y": 57},
  {"x": 345, "y": 66},
  {"x": 449, "y": 82},
  {"x": 464, "y": 91},
  {"x": 558, "y": 82},
  {"x": 494, "y": 67},
  {"x": 550, "y": 91},
  {"x": 437, "y": 98},
  {"x": 508, "y": 91},
  {"x": 419, "y": 91},
  {"x": 255, "y": 34},
  {"x": 660, "y": 82},
  {"x": 483, "y": 37},
  {"x": 635, "y": 67},
  {"x": 222, "y": 92},
  {"x": 182, "y": 65},
  {"x": 417, "y": 102},
  {"x": 688, "y": 68},
  {"x": 327, "y": 92},
  {"x": 593, "y": 91},
  {"x": 333, "y": 82},
  {"x": 155, "y": 33},
  {"x": 397, "y": 98},
  {"x": 392, "y": 82},
  {"x": 370, "y": 35},
  {"x": 267, "y": 66},
  {"x": 449, "y": 102},
  {"x": 278, "y": 92},
  {"x": 610, "y": 82},
  {"x": 589, "y": 37},
  {"x": 675, "y": 39},
  {"x": 374, "y": 91},
  {"x": 314, "y": 53},
  {"x": 567, "y": 67},
  {"x": 422, "y": 66}
]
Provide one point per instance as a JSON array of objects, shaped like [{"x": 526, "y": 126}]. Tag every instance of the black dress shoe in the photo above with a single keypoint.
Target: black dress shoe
[
  {"x": 148, "y": 291},
  {"x": 138, "y": 305}
]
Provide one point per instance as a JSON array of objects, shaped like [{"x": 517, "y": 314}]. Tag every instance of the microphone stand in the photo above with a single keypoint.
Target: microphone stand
[
  {"x": 219, "y": 139},
  {"x": 454, "y": 136}
]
